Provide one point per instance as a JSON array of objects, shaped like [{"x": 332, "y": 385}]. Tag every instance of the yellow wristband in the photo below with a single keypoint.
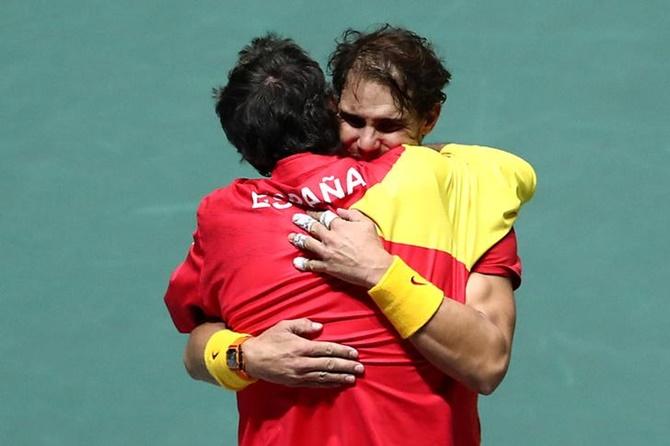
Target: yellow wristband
[
  {"x": 407, "y": 300},
  {"x": 215, "y": 360}
]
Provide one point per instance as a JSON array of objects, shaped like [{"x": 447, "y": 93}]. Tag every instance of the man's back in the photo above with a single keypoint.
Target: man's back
[{"x": 240, "y": 271}]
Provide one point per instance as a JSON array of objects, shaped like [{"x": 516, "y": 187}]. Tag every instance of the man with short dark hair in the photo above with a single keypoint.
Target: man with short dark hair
[
  {"x": 289, "y": 106},
  {"x": 246, "y": 278}
]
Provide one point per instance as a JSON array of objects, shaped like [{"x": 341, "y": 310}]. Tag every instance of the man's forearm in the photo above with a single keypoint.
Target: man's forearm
[
  {"x": 469, "y": 345},
  {"x": 464, "y": 345},
  {"x": 194, "y": 361}
]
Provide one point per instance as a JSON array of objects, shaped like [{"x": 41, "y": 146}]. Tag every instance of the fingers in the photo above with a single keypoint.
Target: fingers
[
  {"x": 327, "y": 372},
  {"x": 301, "y": 327},
  {"x": 351, "y": 214},
  {"x": 301, "y": 264},
  {"x": 304, "y": 221},
  {"x": 332, "y": 365},
  {"x": 327, "y": 379},
  {"x": 311, "y": 226},
  {"x": 318, "y": 363},
  {"x": 309, "y": 223},
  {"x": 323, "y": 380},
  {"x": 317, "y": 349},
  {"x": 307, "y": 243},
  {"x": 326, "y": 218},
  {"x": 320, "y": 349},
  {"x": 311, "y": 244},
  {"x": 309, "y": 265},
  {"x": 298, "y": 240}
]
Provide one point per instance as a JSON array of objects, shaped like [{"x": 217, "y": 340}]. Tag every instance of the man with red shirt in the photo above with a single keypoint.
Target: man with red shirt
[{"x": 246, "y": 277}]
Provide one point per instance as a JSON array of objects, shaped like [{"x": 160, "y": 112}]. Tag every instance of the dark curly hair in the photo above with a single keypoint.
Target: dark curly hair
[
  {"x": 276, "y": 103},
  {"x": 395, "y": 57}
]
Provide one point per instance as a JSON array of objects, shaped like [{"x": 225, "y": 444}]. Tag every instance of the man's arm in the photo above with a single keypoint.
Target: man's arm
[
  {"x": 282, "y": 355},
  {"x": 470, "y": 342},
  {"x": 194, "y": 353}
]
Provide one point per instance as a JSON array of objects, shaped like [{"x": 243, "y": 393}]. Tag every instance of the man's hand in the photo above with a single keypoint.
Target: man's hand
[
  {"x": 283, "y": 355},
  {"x": 349, "y": 249}
]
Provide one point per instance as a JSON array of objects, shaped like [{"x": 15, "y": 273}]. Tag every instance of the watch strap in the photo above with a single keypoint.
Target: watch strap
[{"x": 235, "y": 357}]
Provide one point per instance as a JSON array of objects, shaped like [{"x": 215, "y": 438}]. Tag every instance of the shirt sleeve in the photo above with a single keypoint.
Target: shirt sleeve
[
  {"x": 186, "y": 297},
  {"x": 502, "y": 260}
]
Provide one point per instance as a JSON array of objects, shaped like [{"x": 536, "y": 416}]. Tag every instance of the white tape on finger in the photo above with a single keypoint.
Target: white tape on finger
[
  {"x": 301, "y": 263},
  {"x": 327, "y": 218},
  {"x": 304, "y": 221},
  {"x": 299, "y": 240}
]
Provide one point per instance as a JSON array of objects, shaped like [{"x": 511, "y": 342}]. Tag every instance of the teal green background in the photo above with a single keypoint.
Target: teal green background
[{"x": 108, "y": 139}]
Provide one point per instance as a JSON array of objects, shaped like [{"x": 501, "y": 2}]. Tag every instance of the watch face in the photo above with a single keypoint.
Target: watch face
[{"x": 231, "y": 359}]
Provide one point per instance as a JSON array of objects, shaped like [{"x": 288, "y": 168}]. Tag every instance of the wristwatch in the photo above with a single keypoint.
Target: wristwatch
[{"x": 235, "y": 358}]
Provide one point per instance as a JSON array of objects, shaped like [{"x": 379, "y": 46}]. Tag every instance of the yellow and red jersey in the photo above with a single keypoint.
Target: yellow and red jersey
[{"x": 446, "y": 214}]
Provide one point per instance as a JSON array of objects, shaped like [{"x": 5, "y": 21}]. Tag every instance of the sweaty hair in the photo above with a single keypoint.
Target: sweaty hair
[
  {"x": 396, "y": 58},
  {"x": 276, "y": 104}
]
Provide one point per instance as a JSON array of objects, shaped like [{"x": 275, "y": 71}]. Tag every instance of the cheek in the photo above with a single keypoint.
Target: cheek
[
  {"x": 348, "y": 134},
  {"x": 398, "y": 138}
]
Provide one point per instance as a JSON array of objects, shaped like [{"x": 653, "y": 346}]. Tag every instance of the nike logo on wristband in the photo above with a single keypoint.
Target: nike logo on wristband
[
  {"x": 416, "y": 282},
  {"x": 215, "y": 354}
]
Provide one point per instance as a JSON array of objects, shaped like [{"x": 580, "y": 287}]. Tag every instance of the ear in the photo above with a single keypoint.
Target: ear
[
  {"x": 331, "y": 102},
  {"x": 431, "y": 119}
]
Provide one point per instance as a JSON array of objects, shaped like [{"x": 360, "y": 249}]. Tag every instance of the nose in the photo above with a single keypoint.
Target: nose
[{"x": 368, "y": 141}]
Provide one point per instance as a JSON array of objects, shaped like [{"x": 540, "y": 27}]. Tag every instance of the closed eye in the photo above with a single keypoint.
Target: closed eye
[
  {"x": 389, "y": 125},
  {"x": 352, "y": 120}
]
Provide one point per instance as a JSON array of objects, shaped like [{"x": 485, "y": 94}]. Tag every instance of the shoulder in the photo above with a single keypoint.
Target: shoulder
[
  {"x": 429, "y": 151},
  {"x": 414, "y": 165},
  {"x": 496, "y": 165},
  {"x": 476, "y": 154},
  {"x": 425, "y": 157},
  {"x": 226, "y": 197}
]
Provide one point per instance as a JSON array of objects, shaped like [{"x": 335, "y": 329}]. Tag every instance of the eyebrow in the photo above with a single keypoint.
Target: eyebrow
[{"x": 382, "y": 120}]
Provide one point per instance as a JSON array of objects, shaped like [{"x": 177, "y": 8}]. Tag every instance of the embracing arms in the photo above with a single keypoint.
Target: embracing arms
[{"x": 470, "y": 342}]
